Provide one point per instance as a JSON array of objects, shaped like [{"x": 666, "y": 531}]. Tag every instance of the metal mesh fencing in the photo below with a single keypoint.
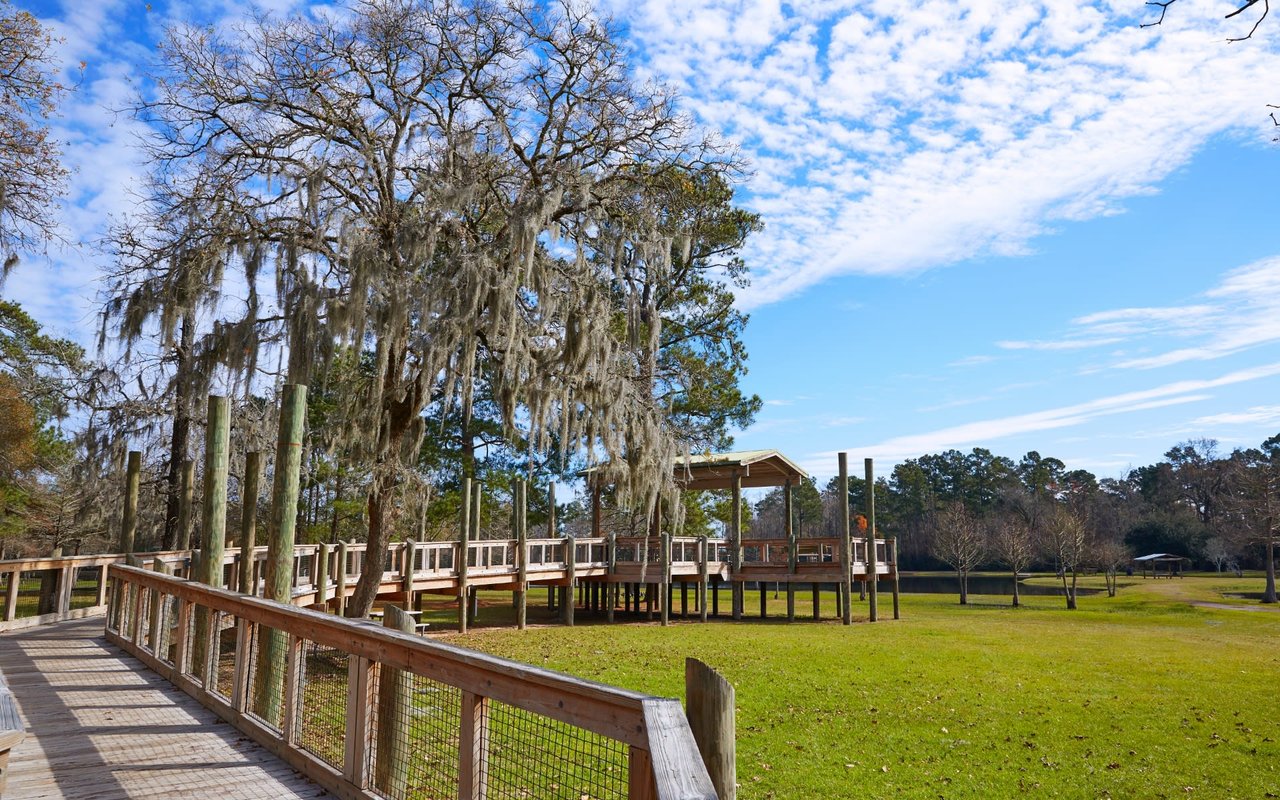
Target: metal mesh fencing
[
  {"x": 416, "y": 752},
  {"x": 322, "y": 713},
  {"x": 143, "y": 617},
  {"x": 225, "y": 673},
  {"x": 163, "y": 614},
  {"x": 532, "y": 756},
  {"x": 268, "y": 662}
]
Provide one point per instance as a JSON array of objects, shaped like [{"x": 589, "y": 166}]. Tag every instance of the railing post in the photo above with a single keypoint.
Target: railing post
[
  {"x": 703, "y": 572},
  {"x": 640, "y": 783},
  {"x": 248, "y": 522},
  {"x": 360, "y": 700},
  {"x": 102, "y": 585},
  {"x": 11, "y": 595},
  {"x": 872, "y": 576},
  {"x": 793, "y": 547},
  {"x": 522, "y": 554},
  {"x": 664, "y": 541},
  {"x": 846, "y": 544},
  {"x": 340, "y": 578},
  {"x": 709, "y": 706},
  {"x": 406, "y": 573},
  {"x": 181, "y": 662},
  {"x": 571, "y": 575},
  {"x": 395, "y": 691},
  {"x": 473, "y": 748},
  {"x": 67, "y": 584},
  {"x": 322, "y": 575},
  {"x": 158, "y": 623}
]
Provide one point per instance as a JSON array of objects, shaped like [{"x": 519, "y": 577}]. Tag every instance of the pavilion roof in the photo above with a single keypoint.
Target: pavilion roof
[
  {"x": 757, "y": 467},
  {"x": 1162, "y": 557}
]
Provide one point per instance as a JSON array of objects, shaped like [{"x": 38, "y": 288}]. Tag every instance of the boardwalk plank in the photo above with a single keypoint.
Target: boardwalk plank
[{"x": 100, "y": 726}]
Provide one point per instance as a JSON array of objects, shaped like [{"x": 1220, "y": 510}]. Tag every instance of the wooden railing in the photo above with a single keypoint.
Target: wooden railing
[{"x": 370, "y": 712}]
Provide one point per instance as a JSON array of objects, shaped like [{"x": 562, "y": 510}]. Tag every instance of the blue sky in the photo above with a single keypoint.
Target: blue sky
[{"x": 1019, "y": 225}]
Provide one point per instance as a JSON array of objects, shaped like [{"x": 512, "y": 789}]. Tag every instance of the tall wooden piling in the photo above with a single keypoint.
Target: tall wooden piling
[
  {"x": 709, "y": 706},
  {"x": 340, "y": 578},
  {"x": 522, "y": 554},
  {"x": 132, "y": 481},
  {"x": 703, "y": 557},
  {"x": 322, "y": 574},
  {"x": 664, "y": 541},
  {"x": 872, "y": 571},
  {"x": 213, "y": 523},
  {"x": 461, "y": 556},
  {"x": 395, "y": 717},
  {"x": 406, "y": 572},
  {"x": 249, "y": 521},
  {"x": 571, "y": 572},
  {"x": 846, "y": 545},
  {"x": 893, "y": 560},
  {"x": 611, "y": 588},
  {"x": 736, "y": 587}
]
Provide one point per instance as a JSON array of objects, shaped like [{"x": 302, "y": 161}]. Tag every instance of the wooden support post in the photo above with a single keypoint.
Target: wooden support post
[
  {"x": 684, "y": 599},
  {"x": 213, "y": 523},
  {"x": 181, "y": 638},
  {"x": 11, "y": 595},
  {"x": 611, "y": 588},
  {"x": 340, "y": 578},
  {"x": 273, "y": 645},
  {"x": 66, "y": 585},
  {"x": 715, "y": 596},
  {"x": 846, "y": 544},
  {"x": 322, "y": 575},
  {"x": 893, "y": 561},
  {"x": 764, "y": 599},
  {"x": 249, "y": 521},
  {"x": 736, "y": 587},
  {"x": 872, "y": 570},
  {"x": 640, "y": 782},
  {"x": 186, "y": 500},
  {"x": 595, "y": 510},
  {"x": 102, "y": 585},
  {"x": 395, "y": 717},
  {"x": 709, "y": 705},
  {"x": 522, "y": 554},
  {"x": 461, "y": 557},
  {"x": 132, "y": 481},
  {"x": 793, "y": 547},
  {"x": 360, "y": 701},
  {"x": 473, "y": 748},
  {"x": 817, "y": 601},
  {"x": 571, "y": 571},
  {"x": 664, "y": 540},
  {"x": 702, "y": 578}
]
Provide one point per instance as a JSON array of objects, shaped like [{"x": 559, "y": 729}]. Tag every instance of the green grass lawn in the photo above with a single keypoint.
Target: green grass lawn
[{"x": 1141, "y": 695}]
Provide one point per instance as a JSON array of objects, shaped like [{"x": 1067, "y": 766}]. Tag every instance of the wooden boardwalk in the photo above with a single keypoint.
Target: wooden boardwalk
[{"x": 100, "y": 725}]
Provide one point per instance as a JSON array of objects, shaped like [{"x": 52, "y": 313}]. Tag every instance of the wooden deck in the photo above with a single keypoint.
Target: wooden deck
[{"x": 102, "y": 726}]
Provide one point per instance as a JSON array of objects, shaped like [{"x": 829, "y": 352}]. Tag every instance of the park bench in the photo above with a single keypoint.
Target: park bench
[{"x": 11, "y": 731}]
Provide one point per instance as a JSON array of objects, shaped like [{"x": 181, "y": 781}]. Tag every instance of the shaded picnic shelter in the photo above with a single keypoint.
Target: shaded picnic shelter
[{"x": 1161, "y": 565}]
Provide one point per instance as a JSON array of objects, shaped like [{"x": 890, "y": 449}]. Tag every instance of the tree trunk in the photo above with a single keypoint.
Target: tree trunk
[
  {"x": 964, "y": 588},
  {"x": 1269, "y": 596},
  {"x": 1066, "y": 592},
  {"x": 180, "y": 434},
  {"x": 1071, "y": 595},
  {"x": 1016, "y": 600},
  {"x": 375, "y": 554},
  {"x": 337, "y": 497}
]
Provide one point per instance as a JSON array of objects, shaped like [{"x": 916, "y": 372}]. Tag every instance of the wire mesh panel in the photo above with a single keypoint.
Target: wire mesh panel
[
  {"x": 269, "y": 657},
  {"x": 143, "y": 617},
  {"x": 84, "y": 589},
  {"x": 36, "y": 592},
  {"x": 532, "y": 756},
  {"x": 225, "y": 670},
  {"x": 203, "y": 620},
  {"x": 164, "y": 615},
  {"x": 416, "y": 750},
  {"x": 322, "y": 714}
]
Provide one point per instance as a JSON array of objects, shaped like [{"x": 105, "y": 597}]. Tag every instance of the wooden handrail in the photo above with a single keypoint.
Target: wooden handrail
[{"x": 664, "y": 760}]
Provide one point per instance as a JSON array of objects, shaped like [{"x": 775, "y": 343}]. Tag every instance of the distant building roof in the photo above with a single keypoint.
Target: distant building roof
[
  {"x": 1162, "y": 557},
  {"x": 758, "y": 468}
]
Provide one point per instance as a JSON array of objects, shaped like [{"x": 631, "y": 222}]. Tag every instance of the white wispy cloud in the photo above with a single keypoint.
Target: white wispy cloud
[
  {"x": 888, "y": 137},
  {"x": 972, "y": 361},
  {"x": 1242, "y": 311},
  {"x": 984, "y": 432},
  {"x": 1257, "y": 415}
]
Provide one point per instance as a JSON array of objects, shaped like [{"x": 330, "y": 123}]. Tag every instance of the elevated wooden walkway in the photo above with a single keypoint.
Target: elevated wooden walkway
[{"x": 102, "y": 726}]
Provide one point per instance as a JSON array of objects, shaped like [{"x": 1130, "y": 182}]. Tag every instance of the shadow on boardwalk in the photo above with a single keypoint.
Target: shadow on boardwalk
[{"x": 99, "y": 725}]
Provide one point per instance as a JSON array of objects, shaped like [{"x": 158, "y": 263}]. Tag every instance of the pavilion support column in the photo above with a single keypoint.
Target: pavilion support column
[
  {"x": 737, "y": 587},
  {"x": 792, "y": 548},
  {"x": 571, "y": 572},
  {"x": 817, "y": 601},
  {"x": 846, "y": 544},
  {"x": 248, "y": 522},
  {"x": 611, "y": 588},
  {"x": 872, "y": 569},
  {"x": 702, "y": 578},
  {"x": 892, "y": 544},
  {"x": 664, "y": 539}
]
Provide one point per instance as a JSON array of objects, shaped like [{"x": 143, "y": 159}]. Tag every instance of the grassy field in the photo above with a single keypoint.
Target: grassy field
[{"x": 1141, "y": 695}]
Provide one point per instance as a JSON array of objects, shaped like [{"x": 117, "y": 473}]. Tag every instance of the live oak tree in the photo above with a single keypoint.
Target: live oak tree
[
  {"x": 31, "y": 174},
  {"x": 438, "y": 185}
]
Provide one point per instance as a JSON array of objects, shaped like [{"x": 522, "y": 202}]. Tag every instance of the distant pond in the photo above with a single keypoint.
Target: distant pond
[{"x": 941, "y": 583}]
